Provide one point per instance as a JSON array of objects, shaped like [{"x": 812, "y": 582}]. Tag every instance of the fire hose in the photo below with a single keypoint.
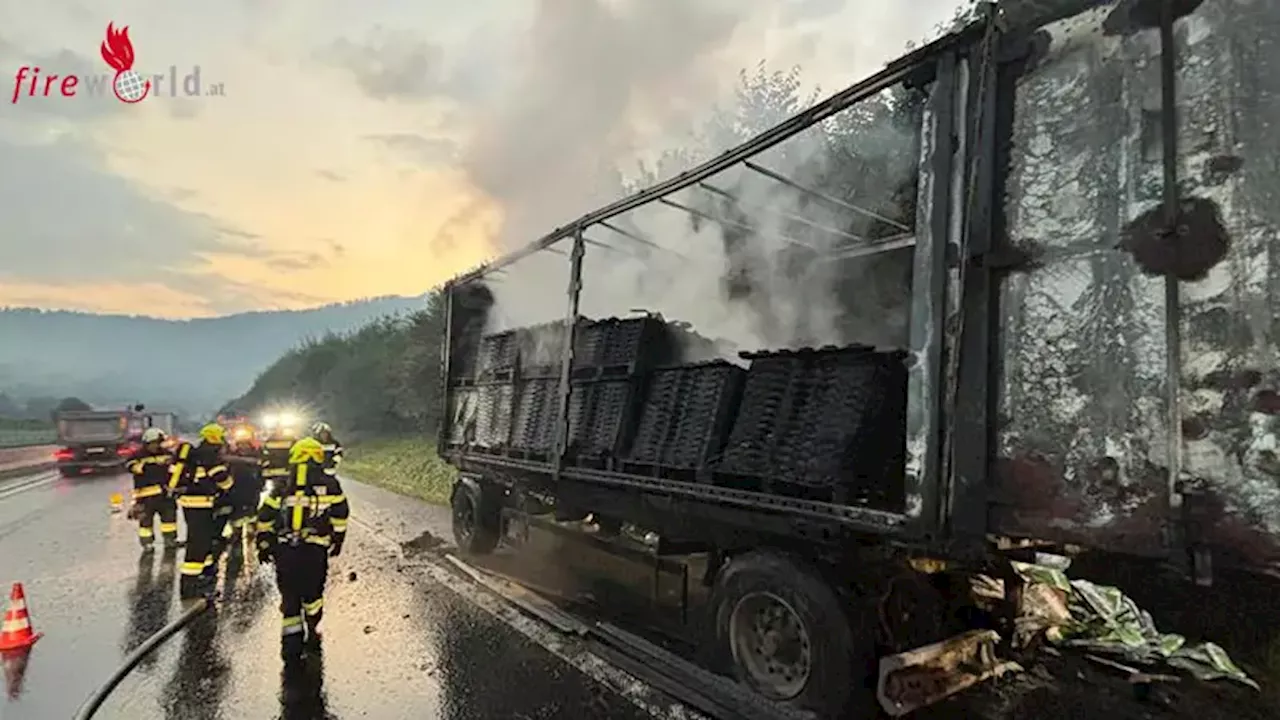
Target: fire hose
[{"x": 95, "y": 701}]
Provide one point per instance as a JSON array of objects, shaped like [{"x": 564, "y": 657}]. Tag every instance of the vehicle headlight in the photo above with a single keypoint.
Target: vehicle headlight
[
  {"x": 270, "y": 420},
  {"x": 288, "y": 420}
]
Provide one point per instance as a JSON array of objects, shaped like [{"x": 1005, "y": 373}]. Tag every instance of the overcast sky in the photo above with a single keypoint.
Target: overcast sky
[{"x": 361, "y": 148}]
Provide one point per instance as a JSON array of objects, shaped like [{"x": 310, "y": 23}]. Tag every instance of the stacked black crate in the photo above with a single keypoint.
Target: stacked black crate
[
  {"x": 540, "y": 349},
  {"x": 495, "y": 391},
  {"x": 659, "y": 410},
  {"x": 709, "y": 397},
  {"x": 839, "y": 432},
  {"x": 767, "y": 391},
  {"x": 609, "y": 357}
]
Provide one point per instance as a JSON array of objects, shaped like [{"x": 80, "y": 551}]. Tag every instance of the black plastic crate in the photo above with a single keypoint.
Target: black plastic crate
[
  {"x": 630, "y": 344},
  {"x": 685, "y": 415},
  {"x": 534, "y": 415},
  {"x": 498, "y": 354},
  {"x": 494, "y": 404},
  {"x": 600, "y": 418},
  {"x": 834, "y": 425},
  {"x": 658, "y": 410}
]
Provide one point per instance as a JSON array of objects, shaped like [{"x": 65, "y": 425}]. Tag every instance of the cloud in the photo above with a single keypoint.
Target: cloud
[
  {"x": 423, "y": 150},
  {"x": 390, "y": 64},
  {"x": 107, "y": 296},
  {"x": 67, "y": 219}
]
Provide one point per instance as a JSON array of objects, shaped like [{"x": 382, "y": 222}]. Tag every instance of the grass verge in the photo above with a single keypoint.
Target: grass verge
[{"x": 408, "y": 466}]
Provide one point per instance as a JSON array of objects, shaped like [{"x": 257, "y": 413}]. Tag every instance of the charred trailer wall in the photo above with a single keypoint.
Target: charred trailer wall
[{"x": 1139, "y": 361}]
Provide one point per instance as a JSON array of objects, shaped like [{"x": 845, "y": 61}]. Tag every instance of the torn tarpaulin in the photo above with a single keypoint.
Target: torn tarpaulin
[{"x": 1105, "y": 621}]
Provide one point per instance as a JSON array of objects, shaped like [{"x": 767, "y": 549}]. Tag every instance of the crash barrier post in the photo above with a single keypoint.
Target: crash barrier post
[{"x": 100, "y": 696}]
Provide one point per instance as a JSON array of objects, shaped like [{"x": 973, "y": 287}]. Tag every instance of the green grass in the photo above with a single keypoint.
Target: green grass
[
  {"x": 14, "y": 433},
  {"x": 406, "y": 466}
]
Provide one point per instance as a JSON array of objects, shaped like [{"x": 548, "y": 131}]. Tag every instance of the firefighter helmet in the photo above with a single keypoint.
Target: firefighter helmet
[
  {"x": 214, "y": 434},
  {"x": 152, "y": 435},
  {"x": 321, "y": 427},
  {"x": 306, "y": 449}
]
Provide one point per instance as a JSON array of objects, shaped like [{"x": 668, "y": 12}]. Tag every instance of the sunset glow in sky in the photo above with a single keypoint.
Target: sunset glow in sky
[{"x": 352, "y": 134}]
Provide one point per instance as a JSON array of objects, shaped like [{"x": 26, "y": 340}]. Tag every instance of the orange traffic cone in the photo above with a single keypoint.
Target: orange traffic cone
[
  {"x": 15, "y": 669},
  {"x": 16, "y": 633}
]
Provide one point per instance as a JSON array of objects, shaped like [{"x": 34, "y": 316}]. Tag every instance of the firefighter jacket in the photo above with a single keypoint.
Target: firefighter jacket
[
  {"x": 275, "y": 457},
  {"x": 308, "y": 507},
  {"x": 150, "y": 470},
  {"x": 199, "y": 476},
  {"x": 332, "y": 455},
  {"x": 246, "y": 470}
]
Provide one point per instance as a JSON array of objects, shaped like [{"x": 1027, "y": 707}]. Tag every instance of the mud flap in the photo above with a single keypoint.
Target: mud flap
[{"x": 913, "y": 679}]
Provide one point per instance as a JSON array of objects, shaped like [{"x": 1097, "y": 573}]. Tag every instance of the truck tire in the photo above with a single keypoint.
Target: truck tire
[
  {"x": 68, "y": 472},
  {"x": 475, "y": 520},
  {"x": 781, "y": 630}
]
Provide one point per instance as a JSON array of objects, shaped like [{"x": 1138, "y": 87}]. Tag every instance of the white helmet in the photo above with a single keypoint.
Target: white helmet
[{"x": 153, "y": 434}]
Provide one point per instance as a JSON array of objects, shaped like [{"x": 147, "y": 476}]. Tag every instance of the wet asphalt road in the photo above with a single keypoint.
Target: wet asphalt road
[{"x": 398, "y": 643}]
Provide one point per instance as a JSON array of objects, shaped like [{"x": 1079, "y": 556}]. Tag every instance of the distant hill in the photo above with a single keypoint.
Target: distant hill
[{"x": 191, "y": 366}]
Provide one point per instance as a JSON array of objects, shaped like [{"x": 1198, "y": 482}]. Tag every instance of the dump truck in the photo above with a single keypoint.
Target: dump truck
[
  {"x": 1020, "y": 299},
  {"x": 94, "y": 440}
]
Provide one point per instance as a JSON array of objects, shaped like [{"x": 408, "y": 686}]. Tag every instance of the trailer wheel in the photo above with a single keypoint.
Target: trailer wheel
[
  {"x": 475, "y": 526},
  {"x": 783, "y": 632}
]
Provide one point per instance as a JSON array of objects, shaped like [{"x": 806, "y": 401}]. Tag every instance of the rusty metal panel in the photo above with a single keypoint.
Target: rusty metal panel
[
  {"x": 1229, "y": 100},
  {"x": 1083, "y": 439}
]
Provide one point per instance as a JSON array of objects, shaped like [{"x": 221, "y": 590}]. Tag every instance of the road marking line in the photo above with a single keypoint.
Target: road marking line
[
  {"x": 566, "y": 649},
  {"x": 38, "y": 482}
]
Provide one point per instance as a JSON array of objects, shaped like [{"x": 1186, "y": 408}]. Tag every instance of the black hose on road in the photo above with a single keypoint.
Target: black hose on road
[{"x": 100, "y": 696}]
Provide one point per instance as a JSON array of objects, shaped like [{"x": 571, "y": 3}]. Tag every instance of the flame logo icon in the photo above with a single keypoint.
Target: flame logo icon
[{"x": 128, "y": 85}]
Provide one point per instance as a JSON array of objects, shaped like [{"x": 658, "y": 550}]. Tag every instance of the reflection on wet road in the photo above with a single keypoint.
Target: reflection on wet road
[{"x": 397, "y": 644}]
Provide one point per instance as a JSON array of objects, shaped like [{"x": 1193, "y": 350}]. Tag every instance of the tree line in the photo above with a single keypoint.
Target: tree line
[{"x": 381, "y": 379}]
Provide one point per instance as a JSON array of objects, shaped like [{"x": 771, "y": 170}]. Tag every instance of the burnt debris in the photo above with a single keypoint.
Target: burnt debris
[{"x": 1187, "y": 249}]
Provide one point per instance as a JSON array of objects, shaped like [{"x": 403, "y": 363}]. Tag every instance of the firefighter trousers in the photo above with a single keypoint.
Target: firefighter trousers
[
  {"x": 197, "y": 558},
  {"x": 222, "y": 511},
  {"x": 301, "y": 572},
  {"x": 158, "y": 507}
]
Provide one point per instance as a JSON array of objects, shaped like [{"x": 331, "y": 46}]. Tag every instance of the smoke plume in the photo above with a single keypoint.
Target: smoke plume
[{"x": 607, "y": 82}]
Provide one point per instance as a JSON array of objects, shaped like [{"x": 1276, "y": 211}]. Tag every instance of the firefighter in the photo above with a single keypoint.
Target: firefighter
[
  {"x": 246, "y": 469},
  {"x": 275, "y": 453},
  {"x": 301, "y": 524},
  {"x": 200, "y": 479},
  {"x": 332, "y": 448},
  {"x": 151, "y": 497}
]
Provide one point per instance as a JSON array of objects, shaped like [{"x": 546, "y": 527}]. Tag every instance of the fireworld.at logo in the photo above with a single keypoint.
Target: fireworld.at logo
[{"x": 127, "y": 84}]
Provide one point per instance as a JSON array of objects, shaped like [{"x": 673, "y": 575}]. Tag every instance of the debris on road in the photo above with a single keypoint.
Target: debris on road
[
  {"x": 1102, "y": 620},
  {"x": 922, "y": 676}
]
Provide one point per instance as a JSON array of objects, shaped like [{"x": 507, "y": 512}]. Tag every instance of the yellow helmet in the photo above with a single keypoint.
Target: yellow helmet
[
  {"x": 214, "y": 434},
  {"x": 306, "y": 449}
]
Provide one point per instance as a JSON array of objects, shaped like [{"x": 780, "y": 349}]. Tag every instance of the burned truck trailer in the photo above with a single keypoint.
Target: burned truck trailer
[{"x": 1019, "y": 293}]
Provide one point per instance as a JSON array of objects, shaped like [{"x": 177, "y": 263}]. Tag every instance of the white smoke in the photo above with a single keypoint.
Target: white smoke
[{"x": 603, "y": 82}]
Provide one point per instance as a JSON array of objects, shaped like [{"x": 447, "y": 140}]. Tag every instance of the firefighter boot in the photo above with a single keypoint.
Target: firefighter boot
[{"x": 189, "y": 587}]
